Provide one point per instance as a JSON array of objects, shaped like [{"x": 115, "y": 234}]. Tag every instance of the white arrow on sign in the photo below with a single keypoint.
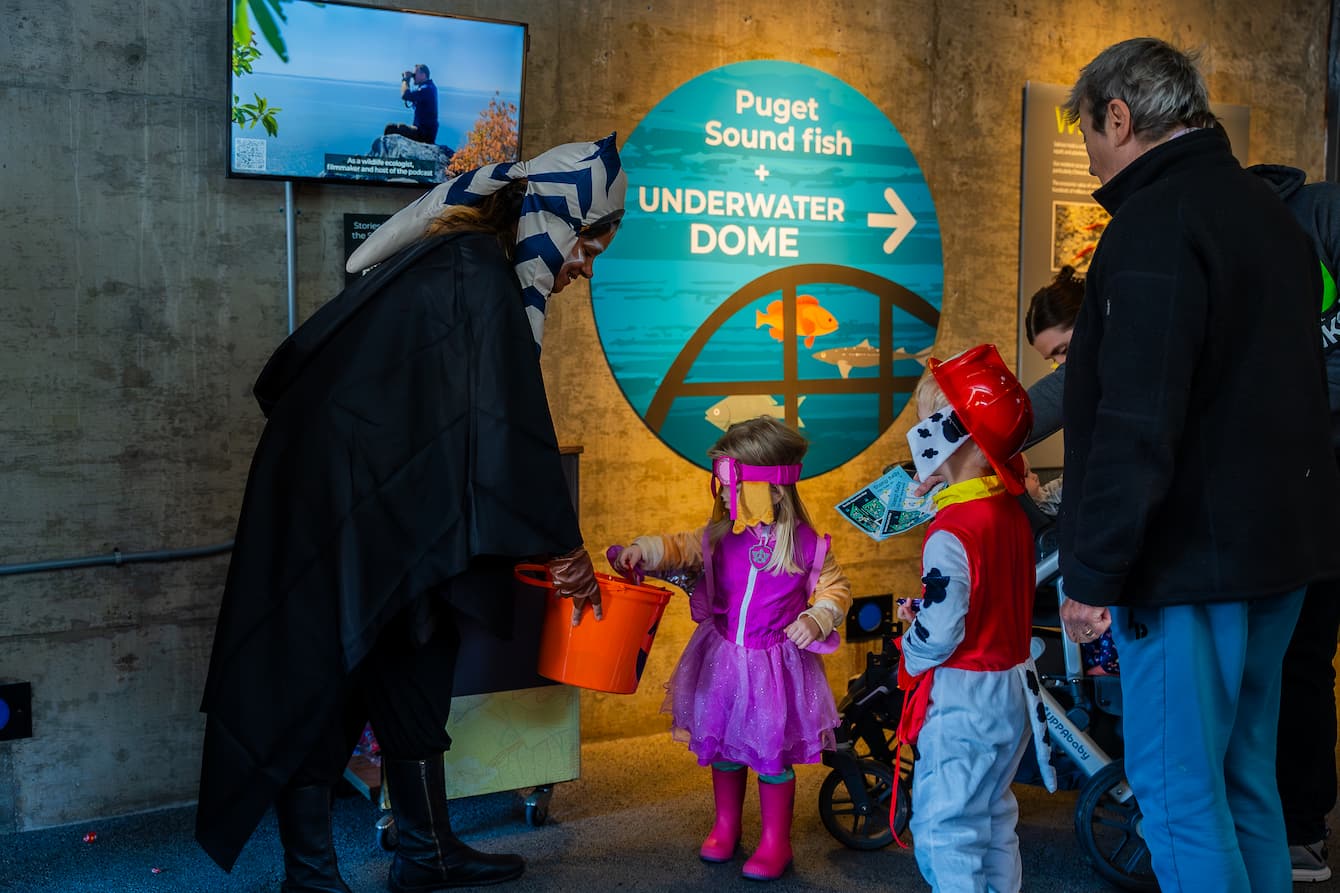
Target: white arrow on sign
[{"x": 900, "y": 221}]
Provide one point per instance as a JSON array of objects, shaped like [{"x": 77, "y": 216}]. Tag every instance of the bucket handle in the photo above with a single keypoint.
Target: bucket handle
[{"x": 524, "y": 572}]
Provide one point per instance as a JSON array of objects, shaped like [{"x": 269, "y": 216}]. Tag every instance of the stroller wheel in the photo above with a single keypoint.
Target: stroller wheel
[
  {"x": 1108, "y": 824},
  {"x": 860, "y": 819}
]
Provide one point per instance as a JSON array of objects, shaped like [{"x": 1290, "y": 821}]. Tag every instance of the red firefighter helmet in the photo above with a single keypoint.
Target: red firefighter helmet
[{"x": 992, "y": 406}]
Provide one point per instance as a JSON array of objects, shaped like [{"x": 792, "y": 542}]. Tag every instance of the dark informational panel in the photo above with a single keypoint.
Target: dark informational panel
[
  {"x": 1060, "y": 223},
  {"x": 357, "y": 227},
  {"x": 1333, "y": 97}
]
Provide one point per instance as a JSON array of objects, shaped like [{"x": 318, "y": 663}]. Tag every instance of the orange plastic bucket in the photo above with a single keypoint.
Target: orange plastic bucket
[{"x": 604, "y": 656}]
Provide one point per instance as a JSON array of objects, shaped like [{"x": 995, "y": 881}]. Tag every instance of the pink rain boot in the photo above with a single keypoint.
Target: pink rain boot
[
  {"x": 773, "y": 857},
  {"x": 728, "y": 791}
]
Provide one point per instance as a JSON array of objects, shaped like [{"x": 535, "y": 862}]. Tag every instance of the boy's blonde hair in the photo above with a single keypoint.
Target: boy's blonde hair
[
  {"x": 929, "y": 391},
  {"x": 767, "y": 441}
]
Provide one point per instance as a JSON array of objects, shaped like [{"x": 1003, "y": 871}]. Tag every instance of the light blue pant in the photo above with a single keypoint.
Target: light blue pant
[
  {"x": 1200, "y": 685},
  {"x": 963, "y": 811}
]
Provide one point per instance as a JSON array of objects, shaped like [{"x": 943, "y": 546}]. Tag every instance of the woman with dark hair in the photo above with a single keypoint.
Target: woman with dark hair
[
  {"x": 1047, "y": 324},
  {"x": 408, "y": 461},
  {"x": 1051, "y": 315}
]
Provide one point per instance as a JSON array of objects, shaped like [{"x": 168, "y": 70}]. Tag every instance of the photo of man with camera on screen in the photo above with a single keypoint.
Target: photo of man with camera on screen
[{"x": 418, "y": 90}]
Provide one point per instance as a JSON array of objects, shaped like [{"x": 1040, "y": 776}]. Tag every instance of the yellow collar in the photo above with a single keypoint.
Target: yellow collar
[{"x": 967, "y": 491}]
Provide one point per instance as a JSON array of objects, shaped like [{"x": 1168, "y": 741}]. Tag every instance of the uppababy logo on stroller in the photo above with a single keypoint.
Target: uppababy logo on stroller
[{"x": 1063, "y": 732}]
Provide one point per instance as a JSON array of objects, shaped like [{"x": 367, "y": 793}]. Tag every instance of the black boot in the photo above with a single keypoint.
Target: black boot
[
  {"x": 304, "y": 829},
  {"x": 428, "y": 856}
]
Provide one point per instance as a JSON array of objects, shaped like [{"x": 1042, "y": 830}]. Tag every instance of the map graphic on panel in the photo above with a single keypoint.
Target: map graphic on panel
[{"x": 780, "y": 255}]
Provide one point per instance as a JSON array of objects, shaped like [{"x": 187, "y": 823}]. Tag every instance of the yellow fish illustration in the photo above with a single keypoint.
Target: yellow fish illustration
[
  {"x": 811, "y": 319},
  {"x": 738, "y": 407}
]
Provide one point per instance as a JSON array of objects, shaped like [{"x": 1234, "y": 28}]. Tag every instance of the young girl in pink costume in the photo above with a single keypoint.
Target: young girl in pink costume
[{"x": 749, "y": 691}]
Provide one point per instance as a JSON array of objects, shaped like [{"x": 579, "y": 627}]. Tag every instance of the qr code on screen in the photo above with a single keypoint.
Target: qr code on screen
[{"x": 248, "y": 154}]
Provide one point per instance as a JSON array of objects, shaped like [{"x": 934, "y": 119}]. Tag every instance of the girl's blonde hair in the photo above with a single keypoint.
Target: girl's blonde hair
[{"x": 766, "y": 441}]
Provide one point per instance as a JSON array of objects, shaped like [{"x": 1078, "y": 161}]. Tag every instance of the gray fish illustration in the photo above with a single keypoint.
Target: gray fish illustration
[{"x": 863, "y": 356}]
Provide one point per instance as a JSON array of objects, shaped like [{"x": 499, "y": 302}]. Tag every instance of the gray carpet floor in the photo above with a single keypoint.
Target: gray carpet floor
[{"x": 632, "y": 821}]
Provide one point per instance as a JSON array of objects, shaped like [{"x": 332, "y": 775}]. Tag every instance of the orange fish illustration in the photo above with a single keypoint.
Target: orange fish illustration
[{"x": 811, "y": 319}]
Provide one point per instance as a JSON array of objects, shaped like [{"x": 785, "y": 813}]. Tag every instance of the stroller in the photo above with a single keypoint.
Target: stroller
[{"x": 1083, "y": 722}]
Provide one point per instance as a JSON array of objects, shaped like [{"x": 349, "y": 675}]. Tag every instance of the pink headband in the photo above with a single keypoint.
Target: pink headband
[{"x": 728, "y": 472}]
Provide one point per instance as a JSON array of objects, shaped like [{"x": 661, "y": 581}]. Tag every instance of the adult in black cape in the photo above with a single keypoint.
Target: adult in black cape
[{"x": 407, "y": 463}]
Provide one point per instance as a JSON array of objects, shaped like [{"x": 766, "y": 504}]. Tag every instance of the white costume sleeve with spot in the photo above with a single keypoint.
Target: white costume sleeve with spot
[{"x": 939, "y": 626}]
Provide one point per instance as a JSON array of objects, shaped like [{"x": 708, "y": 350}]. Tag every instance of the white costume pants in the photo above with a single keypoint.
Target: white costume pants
[{"x": 963, "y": 811}]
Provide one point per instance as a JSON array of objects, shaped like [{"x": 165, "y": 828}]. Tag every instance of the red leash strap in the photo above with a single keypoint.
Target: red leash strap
[
  {"x": 897, "y": 777},
  {"x": 916, "y": 702}
]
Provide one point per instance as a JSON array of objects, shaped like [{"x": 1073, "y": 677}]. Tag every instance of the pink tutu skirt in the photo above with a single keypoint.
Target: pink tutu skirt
[{"x": 768, "y": 708}]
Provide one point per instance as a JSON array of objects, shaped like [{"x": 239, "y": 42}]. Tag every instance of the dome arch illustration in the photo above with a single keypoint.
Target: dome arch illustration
[{"x": 890, "y": 295}]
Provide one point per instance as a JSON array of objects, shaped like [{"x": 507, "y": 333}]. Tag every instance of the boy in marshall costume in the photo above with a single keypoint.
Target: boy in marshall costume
[{"x": 972, "y": 701}]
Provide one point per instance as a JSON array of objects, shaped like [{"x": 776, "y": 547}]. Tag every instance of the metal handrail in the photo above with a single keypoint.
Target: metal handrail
[{"x": 116, "y": 558}]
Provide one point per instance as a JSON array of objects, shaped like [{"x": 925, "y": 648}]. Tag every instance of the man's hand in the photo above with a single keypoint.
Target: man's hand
[
  {"x": 1084, "y": 623},
  {"x": 574, "y": 577}
]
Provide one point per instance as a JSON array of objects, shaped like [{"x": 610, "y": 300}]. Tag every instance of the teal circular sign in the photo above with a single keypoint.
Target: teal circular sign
[{"x": 780, "y": 255}]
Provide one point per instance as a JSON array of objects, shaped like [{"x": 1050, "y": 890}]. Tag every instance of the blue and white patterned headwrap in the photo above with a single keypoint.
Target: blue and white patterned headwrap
[{"x": 567, "y": 188}]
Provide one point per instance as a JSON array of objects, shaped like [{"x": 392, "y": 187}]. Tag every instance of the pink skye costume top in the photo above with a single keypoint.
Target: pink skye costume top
[{"x": 742, "y": 692}]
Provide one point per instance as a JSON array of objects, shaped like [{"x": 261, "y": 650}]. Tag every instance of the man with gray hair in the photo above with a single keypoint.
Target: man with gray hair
[{"x": 1193, "y": 373}]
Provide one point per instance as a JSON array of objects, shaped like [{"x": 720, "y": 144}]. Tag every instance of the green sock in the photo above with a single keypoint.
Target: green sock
[{"x": 728, "y": 767}]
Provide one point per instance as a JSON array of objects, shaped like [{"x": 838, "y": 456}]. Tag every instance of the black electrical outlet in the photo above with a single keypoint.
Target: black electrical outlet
[
  {"x": 870, "y": 617},
  {"x": 16, "y": 710}
]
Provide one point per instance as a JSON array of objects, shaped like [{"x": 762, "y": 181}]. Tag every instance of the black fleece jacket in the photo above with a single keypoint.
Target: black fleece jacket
[{"x": 1198, "y": 462}]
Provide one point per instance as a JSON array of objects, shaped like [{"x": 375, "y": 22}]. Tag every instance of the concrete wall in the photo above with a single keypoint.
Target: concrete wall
[{"x": 142, "y": 291}]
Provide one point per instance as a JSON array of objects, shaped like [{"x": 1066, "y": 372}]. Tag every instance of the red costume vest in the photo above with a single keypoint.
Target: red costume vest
[{"x": 998, "y": 540}]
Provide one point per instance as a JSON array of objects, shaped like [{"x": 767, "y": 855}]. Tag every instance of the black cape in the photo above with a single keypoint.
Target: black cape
[{"x": 408, "y": 433}]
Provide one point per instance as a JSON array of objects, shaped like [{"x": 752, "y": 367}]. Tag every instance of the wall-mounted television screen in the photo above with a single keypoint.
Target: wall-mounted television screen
[{"x": 344, "y": 93}]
